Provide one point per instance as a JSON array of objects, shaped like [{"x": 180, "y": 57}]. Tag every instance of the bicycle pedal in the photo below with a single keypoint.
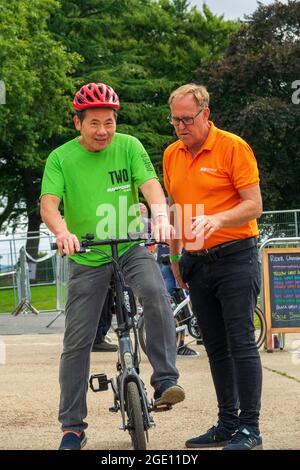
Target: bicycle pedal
[
  {"x": 114, "y": 409},
  {"x": 162, "y": 407},
  {"x": 101, "y": 382}
]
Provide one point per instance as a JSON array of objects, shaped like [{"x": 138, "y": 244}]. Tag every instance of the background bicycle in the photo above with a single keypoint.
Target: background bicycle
[{"x": 186, "y": 320}]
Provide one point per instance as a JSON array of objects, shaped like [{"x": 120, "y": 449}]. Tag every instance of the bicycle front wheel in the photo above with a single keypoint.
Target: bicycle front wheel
[
  {"x": 135, "y": 423},
  {"x": 260, "y": 327}
]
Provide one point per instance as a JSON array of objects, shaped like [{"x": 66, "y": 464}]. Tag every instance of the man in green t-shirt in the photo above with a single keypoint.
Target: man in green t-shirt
[{"x": 97, "y": 175}]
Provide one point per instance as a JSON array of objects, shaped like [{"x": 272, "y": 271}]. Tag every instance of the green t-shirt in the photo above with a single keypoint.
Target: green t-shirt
[{"x": 99, "y": 190}]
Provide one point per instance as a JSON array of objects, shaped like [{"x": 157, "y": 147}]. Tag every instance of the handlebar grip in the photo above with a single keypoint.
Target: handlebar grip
[{"x": 54, "y": 246}]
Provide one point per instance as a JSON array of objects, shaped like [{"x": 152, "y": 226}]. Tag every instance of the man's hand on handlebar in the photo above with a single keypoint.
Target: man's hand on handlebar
[{"x": 67, "y": 243}]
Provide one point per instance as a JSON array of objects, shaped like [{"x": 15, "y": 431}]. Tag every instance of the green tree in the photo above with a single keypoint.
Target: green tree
[
  {"x": 35, "y": 69},
  {"x": 144, "y": 49},
  {"x": 251, "y": 93}
]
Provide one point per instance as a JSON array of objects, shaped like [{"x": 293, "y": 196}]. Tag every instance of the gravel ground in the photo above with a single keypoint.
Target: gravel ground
[{"x": 30, "y": 393}]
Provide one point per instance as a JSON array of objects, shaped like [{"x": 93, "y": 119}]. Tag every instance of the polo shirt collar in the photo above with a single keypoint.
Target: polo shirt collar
[{"x": 210, "y": 139}]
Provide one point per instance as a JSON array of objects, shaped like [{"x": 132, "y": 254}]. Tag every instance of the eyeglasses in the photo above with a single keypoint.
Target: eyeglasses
[{"x": 187, "y": 120}]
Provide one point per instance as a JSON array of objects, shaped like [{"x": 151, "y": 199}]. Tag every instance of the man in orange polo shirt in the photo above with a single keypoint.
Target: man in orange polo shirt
[{"x": 212, "y": 180}]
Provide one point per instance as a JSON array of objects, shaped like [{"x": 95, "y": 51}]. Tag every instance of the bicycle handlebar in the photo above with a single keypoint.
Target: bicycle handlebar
[{"x": 113, "y": 241}]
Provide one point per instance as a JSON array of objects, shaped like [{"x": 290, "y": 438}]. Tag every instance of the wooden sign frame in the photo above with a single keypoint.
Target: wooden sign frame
[{"x": 266, "y": 293}]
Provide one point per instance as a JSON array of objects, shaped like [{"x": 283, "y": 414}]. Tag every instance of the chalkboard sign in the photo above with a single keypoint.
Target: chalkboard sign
[{"x": 281, "y": 274}]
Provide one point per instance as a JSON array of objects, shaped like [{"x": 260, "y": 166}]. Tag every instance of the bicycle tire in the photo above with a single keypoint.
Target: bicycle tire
[
  {"x": 258, "y": 320},
  {"x": 142, "y": 334},
  {"x": 193, "y": 328},
  {"x": 186, "y": 316},
  {"x": 134, "y": 411},
  {"x": 260, "y": 327},
  {"x": 141, "y": 329}
]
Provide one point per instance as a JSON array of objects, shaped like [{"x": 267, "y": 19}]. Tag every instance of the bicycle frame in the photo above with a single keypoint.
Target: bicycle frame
[
  {"x": 127, "y": 365},
  {"x": 183, "y": 303},
  {"x": 128, "y": 361}
]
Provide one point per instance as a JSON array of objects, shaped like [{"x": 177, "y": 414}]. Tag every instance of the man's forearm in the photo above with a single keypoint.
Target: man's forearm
[
  {"x": 175, "y": 247},
  {"x": 249, "y": 208},
  {"x": 240, "y": 214},
  {"x": 155, "y": 197},
  {"x": 67, "y": 242},
  {"x": 53, "y": 219}
]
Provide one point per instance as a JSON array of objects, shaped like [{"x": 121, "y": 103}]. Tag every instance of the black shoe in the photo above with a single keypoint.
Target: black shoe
[
  {"x": 104, "y": 347},
  {"x": 245, "y": 439},
  {"x": 216, "y": 436},
  {"x": 168, "y": 393},
  {"x": 71, "y": 441},
  {"x": 185, "y": 351}
]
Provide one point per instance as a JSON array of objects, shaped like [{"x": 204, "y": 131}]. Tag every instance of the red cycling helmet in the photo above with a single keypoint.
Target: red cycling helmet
[{"x": 96, "y": 95}]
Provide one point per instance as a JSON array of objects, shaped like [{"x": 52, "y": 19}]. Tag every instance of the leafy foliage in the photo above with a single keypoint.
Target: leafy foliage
[
  {"x": 35, "y": 69},
  {"x": 143, "y": 48},
  {"x": 251, "y": 91}
]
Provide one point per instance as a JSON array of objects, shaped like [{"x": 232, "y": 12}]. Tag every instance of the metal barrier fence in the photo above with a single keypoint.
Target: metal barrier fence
[
  {"x": 61, "y": 282},
  {"x": 39, "y": 273},
  {"x": 62, "y": 275},
  {"x": 17, "y": 271},
  {"x": 279, "y": 224}
]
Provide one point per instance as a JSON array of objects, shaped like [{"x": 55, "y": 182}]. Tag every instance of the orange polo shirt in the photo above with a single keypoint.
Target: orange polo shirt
[{"x": 212, "y": 178}]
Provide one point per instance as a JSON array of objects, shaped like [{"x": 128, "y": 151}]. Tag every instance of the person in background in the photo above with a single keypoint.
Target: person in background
[{"x": 145, "y": 220}]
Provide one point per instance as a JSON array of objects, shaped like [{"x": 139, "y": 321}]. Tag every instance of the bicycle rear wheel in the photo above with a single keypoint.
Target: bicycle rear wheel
[
  {"x": 135, "y": 417},
  {"x": 142, "y": 334},
  {"x": 260, "y": 327}
]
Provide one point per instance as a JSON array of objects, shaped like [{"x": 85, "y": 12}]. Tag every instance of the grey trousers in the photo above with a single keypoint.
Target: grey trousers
[{"x": 86, "y": 295}]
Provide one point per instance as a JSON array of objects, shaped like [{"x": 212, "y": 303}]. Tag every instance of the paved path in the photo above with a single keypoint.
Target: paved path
[
  {"x": 30, "y": 392},
  {"x": 31, "y": 324}
]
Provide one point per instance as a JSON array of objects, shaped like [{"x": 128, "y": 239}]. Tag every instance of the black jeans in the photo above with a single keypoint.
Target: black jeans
[{"x": 224, "y": 295}]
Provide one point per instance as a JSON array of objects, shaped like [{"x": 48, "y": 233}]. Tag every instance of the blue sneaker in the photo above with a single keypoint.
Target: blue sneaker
[
  {"x": 245, "y": 439},
  {"x": 72, "y": 441},
  {"x": 216, "y": 436},
  {"x": 168, "y": 393}
]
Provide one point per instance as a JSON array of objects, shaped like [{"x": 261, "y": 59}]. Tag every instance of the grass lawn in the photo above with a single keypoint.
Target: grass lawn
[{"x": 42, "y": 298}]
